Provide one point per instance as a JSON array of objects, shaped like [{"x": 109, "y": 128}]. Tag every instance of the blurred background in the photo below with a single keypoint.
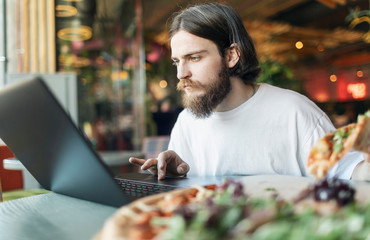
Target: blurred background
[{"x": 108, "y": 61}]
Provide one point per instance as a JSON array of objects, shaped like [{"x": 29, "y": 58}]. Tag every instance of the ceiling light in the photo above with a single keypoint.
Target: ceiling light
[
  {"x": 320, "y": 48},
  {"x": 299, "y": 45},
  {"x": 80, "y": 33},
  {"x": 333, "y": 78},
  {"x": 360, "y": 73}
]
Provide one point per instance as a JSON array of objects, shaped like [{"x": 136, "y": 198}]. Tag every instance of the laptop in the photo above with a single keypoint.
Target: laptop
[{"x": 38, "y": 130}]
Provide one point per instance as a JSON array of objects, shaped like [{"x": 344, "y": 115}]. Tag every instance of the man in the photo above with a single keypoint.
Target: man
[{"x": 231, "y": 125}]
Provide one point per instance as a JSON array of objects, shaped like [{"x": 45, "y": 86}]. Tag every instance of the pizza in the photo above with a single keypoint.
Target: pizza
[
  {"x": 133, "y": 221},
  {"x": 326, "y": 209},
  {"x": 334, "y": 145}
]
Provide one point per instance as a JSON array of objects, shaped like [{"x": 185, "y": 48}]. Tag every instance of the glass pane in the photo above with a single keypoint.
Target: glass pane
[{"x": 101, "y": 41}]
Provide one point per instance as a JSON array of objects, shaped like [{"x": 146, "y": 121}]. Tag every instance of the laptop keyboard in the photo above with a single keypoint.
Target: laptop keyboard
[{"x": 135, "y": 190}]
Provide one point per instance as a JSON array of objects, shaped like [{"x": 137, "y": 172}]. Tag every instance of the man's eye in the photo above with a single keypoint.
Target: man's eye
[
  {"x": 175, "y": 63},
  {"x": 195, "y": 58}
]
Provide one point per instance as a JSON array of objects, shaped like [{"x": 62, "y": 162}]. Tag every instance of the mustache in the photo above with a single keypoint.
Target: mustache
[{"x": 183, "y": 83}]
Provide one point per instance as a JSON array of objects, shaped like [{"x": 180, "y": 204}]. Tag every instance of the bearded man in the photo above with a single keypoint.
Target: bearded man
[{"x": 231, "y": 125}]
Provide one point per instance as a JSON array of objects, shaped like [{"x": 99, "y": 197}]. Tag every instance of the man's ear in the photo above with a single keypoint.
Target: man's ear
[{"x": 232, "y": 55}]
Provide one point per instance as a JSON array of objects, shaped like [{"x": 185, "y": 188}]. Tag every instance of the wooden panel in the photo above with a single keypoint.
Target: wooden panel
[
  {"x": 50, "y": 17},
  {"x": 332, "y": 3},
  {"x": 284, "y": 37},
  {"x": 34, "y": 37},
  {"x": 156, "y": 13},
  {"x": 266, "y": 8},
  {"x": 42, "y": 33},
  {"x": 25, "y": 35}
]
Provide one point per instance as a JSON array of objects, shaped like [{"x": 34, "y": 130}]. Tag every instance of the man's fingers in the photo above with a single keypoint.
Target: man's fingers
[
  {"x": 136, "y": 161},
  {"x": 150, "y": 163},
  {"x": 162, "y": 165},
  {"x": 183, "y": 168},
  {"x": 153, "y": 170},
  {"x": 165, "y": 160},
  {"x": 168, "y": 162}
]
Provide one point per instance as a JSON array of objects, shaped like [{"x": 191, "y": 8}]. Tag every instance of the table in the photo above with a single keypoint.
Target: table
[
  {"x": 51, "y": 216},
  {"x": 58, "y": 217}
]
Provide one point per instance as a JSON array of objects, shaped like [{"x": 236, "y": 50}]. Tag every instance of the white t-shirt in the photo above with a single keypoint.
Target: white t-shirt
[{"x": 271, "y": 133}]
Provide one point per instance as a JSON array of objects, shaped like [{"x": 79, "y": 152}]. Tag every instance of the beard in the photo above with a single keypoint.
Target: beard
[{"x": 214, "y": 93}]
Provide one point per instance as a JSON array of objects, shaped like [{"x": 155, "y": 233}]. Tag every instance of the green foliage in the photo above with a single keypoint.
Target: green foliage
[
  {"x": 278, "y": 74},
  {"x": 356, "y": 14}
]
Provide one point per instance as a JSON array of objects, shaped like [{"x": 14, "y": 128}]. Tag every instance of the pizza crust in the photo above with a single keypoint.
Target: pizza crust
[{"x": 131, "y": 221}]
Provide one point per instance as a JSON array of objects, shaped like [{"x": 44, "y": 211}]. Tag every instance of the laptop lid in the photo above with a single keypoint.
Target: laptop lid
[{"x": 43, "y": 137}]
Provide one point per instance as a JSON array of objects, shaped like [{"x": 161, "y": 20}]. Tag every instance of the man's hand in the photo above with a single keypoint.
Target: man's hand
[
  {"x": 362, "y": 170},
  {"x": 167, "y": 163}
]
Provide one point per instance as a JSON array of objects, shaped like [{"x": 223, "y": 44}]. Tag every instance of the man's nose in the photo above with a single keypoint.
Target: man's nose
[{"x": 183, "y": 72}]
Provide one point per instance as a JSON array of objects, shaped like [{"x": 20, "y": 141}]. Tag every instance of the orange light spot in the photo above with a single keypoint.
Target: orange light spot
[
  {"x": 357, "y": 90},
  {"x": 299, "y": 45},
  {"x": 333, "y": 78},
  {"x": 163, "y": 83}
]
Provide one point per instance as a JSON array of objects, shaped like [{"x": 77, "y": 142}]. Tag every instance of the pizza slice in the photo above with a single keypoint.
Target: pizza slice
[
  {"x": 133, "y": 221},
  {"x": 333, "y": 146}
]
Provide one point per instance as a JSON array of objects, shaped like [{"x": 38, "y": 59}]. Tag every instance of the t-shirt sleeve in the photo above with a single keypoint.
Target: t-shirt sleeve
[{"x": 344, "y": 168}]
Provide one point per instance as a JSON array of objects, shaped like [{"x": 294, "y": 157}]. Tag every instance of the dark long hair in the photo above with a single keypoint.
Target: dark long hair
[{"x": 222, "y": 25}]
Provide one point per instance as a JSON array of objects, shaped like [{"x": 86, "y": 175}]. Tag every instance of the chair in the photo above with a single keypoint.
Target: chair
[
  {"x": 152, "y": 146},
  {"x": 15, "y": 183},
  {"x": 10, "y": 179}
]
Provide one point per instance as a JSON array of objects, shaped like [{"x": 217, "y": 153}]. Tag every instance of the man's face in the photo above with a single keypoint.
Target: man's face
[{"x": 202, "y": 72}]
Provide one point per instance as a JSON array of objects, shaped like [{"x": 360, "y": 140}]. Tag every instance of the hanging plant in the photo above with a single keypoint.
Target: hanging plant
[{"x": 355, "y": 17}]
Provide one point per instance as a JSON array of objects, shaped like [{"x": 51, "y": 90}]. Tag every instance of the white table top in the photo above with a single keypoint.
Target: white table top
[
  {"x": 51, "y": 216},
  {"x": 58, "y": 217}
]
